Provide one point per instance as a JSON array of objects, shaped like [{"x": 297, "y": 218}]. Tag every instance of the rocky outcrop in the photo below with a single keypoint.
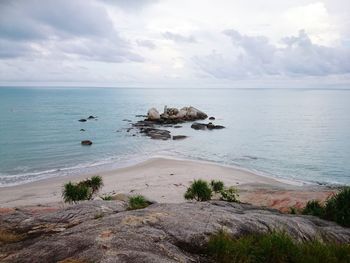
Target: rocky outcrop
[
  {"x": 103, "y": 231},
  {"x": 174, "y": 115}
]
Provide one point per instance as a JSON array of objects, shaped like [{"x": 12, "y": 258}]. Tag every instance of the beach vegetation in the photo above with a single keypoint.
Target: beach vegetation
[
  {"x": 199, "y": 190},
  {"x": 293, "y": 210},
  {"x": 217, "y": 185},
  {"x": 336, "y": 208},
  {"x": 83, "y": 190},
  {"x": 313, "y": 208},
  {"x": 138, "y": 202},
  {"x": 273, "y": 247},
  {"x": 229, "y": 194},
  {"x": 107, "y": 197}
]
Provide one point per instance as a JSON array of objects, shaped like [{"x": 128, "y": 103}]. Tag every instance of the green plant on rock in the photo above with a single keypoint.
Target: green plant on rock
[
  {"x": 337, "y": 207},
  {"x": 313, "y": 208},
  {"x": 83, "y": 190},
  {"x": 273, "y": 247},
  {"x": 138, "y": 202},
  {"x": 216, "y": 185},
  {"x": 229, "y": 194},
  {"x": 199, "y": 190},
  {"x": 106, "y": 197}
]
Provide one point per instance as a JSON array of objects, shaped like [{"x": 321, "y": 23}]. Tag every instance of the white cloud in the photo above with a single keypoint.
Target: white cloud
[
  {"x": 258, "y": 57},
  {"x": 168, "y": 42}
]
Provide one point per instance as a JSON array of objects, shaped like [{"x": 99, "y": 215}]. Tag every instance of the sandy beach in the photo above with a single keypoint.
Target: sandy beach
[{"x": 165, "y": 180}]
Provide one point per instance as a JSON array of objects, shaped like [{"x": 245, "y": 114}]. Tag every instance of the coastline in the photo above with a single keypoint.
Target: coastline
[{"x": 165, "y": 180}]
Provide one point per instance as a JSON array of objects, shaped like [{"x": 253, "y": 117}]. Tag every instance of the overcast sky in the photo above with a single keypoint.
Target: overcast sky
[{"x": 175, "y": 43}]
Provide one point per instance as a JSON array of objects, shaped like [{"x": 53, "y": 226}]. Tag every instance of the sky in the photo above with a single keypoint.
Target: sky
[{"x": 175, "y": 43}]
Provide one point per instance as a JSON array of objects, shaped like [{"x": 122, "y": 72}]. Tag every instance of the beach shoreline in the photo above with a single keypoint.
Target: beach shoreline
[{"x": 165, "y": 180}]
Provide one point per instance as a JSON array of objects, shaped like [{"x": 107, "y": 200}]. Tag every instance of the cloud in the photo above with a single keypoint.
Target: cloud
[
  {"x": 295, "y": 56},
  {"x": 146, "y": 43},
  {"x": 131, "y": 5},
  {"x": 179, "y": 38},
  {"x": 81, "y": 28}
]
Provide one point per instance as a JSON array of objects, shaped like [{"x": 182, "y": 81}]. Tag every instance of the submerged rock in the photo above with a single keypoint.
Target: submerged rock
[
  {"x": 157, "y": 134},
  {"x": 91, "y": 117},
  {"x": 179, "y": 137},
  {"x": 198, "y": 126},
  {"x": 103, "y": 231},
  {"x": 203, "y": 126},
  {"x": 86, "y": 142},
  {"x": 82, "y": 120}
]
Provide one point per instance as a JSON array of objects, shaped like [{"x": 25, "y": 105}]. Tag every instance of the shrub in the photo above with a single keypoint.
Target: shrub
[
  {"x": 273, "y": 247},
  {"x": 293, "y": 210},
  {"x": 106, "y": 197},
  {"x": 313, "y": 208},
  {"x": 198, "y": 190},
  {"x": 216, "y": 186},
  {"x": 337, "y": 207},
  {"x": 94, "y": 183},
  {"x": 73, "y": 193},
  {"x": 83, "y": 190},
  {"x": 138, "y": 202},
  {"x": 229, "y": 194}
]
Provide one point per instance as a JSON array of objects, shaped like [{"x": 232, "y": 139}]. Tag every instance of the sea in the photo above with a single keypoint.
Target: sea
[{"x": 296, "y": 134}]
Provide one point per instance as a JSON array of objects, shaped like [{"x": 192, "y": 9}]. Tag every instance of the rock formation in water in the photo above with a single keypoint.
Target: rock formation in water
[
  {"x": 174, "y": 115},
  {"x": 104, "y": 231}
]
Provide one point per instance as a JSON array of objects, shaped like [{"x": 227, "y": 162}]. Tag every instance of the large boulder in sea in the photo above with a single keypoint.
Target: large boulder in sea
[
  {"x": 104, "y": 231},
  {"x": 153, "y": 114},
  {"x": 174, "y": 115},
  {"x": 191, "y": 113}
]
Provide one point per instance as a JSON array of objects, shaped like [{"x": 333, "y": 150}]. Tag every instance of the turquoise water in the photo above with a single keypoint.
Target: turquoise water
[{"x": 298, "y": 134}]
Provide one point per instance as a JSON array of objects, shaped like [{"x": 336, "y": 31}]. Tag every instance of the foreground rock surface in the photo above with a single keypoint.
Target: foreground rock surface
[{"x": 103, "y": 231}]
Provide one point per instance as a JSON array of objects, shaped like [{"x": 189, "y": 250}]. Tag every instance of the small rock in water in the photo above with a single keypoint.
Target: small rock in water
[
  {"x": 212, "y": 118},
  {"x": 82, "y": 130},
  {"x": 177, "y": 126},
  {"x": 203, "y": 126},
  {"x": 127, "y": 120},
  {"x": 179, "y": 137},
  {"x": 91, "y": 117},
  {"x": 82, "y": 120},
  {"x": 86, "y": 142},
  {"x": 198, "y": 126}
]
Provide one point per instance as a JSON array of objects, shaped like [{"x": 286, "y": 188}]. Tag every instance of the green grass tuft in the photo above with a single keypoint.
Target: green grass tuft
[
  {"x": 313, "y": 208},
  {"x": 138, "y": 202},
  {"x": 217, "y": 186},
  {"x": 274, "y": 247},
  {"x": 199, "y": 190},
  {"x": 336, "y": 208},
  {"x": 83, "y": 190},
  {"x": 229, "y": 194}
]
